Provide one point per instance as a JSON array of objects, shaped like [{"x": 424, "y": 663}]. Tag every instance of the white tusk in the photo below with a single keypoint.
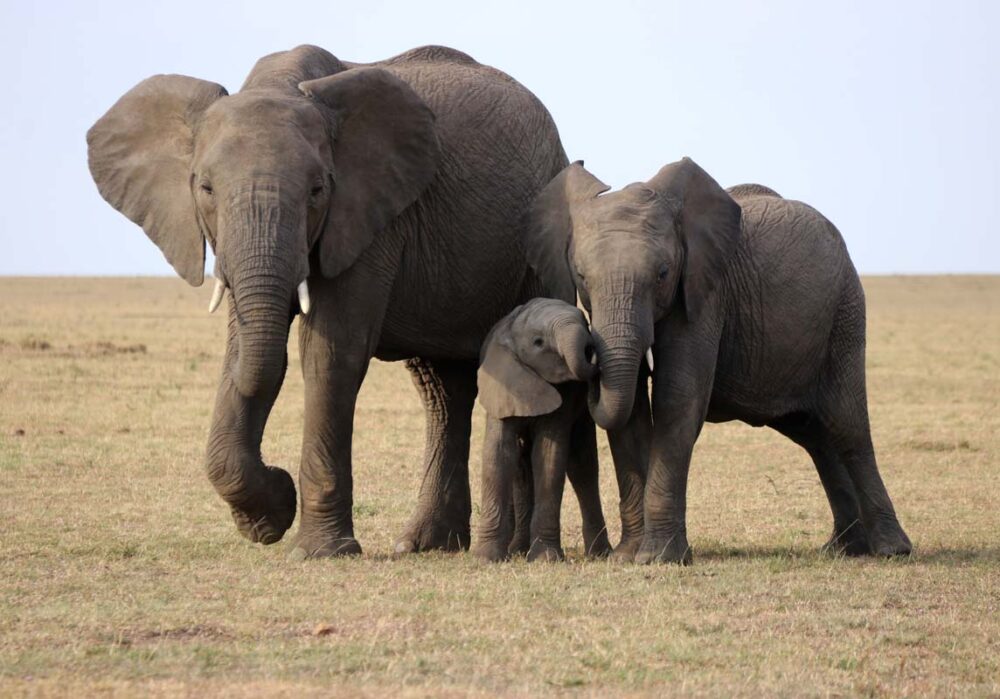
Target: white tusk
[
  {"x": 304, "y": 297},
  {"x": 220, "y": 289},
  {"x": 649, "y": 358}
]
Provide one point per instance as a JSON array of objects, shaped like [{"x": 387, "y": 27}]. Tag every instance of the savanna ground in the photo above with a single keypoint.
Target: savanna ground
[{"x": 121, "y": 571}]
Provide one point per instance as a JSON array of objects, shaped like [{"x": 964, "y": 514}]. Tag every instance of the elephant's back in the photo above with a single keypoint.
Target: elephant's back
[
  {"x": 463, "y": 267},
  {"x": 478, "y": 106},
  {"x": 743, "y": 192},
  {"x": 790, "y": 276}
]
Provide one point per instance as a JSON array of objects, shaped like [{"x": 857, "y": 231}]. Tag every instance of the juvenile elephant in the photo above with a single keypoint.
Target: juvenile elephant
[
  {"x": 386, "y": 197},
  {"x": 752, "y": 310},
  {"x": 532, "y": 382}
]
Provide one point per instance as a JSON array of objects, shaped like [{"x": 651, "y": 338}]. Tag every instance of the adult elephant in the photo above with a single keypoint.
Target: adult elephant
[
  {"x": 752, "y": 310},
  {"x": 386, "y": 197}
]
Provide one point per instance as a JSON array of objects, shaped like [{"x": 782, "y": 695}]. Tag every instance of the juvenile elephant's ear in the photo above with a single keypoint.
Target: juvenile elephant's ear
[
  {"x": 508, "y": 388},
  {"x": 140, "y": 157},
  {"x": 709, "y": 222},
  {"x": 549, "y": 227},
  {"x": 385, "y": 154}
]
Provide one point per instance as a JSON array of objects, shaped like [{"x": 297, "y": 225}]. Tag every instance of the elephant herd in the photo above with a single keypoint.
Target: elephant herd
[{"x": 423, "y": 209}]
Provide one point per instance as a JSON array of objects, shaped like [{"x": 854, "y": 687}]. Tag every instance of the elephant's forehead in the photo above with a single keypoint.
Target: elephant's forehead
[
  {"x": 254, "y": 111},
  {"x": 542, "y": 312},
  {"x": 632, "y": 209}
]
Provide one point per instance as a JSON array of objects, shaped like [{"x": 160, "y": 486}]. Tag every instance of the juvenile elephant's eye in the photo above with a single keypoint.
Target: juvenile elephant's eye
[{"x": 538, "y": 342}]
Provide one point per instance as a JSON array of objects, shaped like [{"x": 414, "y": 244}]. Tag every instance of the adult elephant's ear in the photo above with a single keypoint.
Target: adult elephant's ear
[
  {"x": 508, "y": 388},
  {"x": 709, "y": 222},
  {"x": 549, "y": 228},
  {"x": 140, "y": 157},
  {"x": 385, "y": 154}
]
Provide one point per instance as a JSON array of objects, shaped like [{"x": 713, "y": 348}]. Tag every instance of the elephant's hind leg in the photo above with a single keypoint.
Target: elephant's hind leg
[
  {"x": 843, "y": 411},
  {"x": 444, "y": 507},
  {"x": 849, "y": 536},
  {"x": 522, "y": 503}
]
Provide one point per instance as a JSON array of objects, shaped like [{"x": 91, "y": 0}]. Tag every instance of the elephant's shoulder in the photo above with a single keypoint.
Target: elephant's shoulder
[
  {"x": 745, "y": 191},
  {"x": 433, "y": 54}
]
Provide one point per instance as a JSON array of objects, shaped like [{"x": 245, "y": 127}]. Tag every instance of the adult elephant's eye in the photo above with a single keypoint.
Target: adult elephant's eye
[
  {"x": 316, "y": 191},
  {"x": 207, "y": 188},
  {"x": 662, "y": 274},
  {"x": 538, "y": 342}
]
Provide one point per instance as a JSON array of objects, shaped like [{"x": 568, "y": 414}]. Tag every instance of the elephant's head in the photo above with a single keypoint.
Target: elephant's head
[
  {"x": 630, "y": 254},
  {"x": 541, "y": 343},
  {"x": 302, "y": 168}
]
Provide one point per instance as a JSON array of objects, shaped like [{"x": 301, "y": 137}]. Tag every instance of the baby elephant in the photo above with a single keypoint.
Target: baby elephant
[{"x": 532, "y": 374}]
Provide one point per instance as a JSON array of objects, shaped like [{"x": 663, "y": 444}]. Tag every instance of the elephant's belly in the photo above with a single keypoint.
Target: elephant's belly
[{"x": 443, "y": 320}]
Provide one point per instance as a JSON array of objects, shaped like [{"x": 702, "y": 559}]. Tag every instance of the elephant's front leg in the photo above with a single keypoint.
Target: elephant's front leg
[
  {"x": 336, "y": 343},
  {"x": 261, "y": 498},
  {"x": 630, "y": 451},
  {"x": 444, "y": 507},
  {"x": 682, "y": 389},
  {"x": 549, "y": 457},
  {"x": 501, "y": 454},
  {"x": 584, "y": 475}
]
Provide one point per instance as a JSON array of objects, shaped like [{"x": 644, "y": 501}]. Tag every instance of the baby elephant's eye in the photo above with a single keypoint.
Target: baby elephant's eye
[{"x": 538, "y": 342}]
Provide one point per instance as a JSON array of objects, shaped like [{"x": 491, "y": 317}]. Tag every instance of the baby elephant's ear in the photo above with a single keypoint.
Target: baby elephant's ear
[{"x": 508, "y": 388}]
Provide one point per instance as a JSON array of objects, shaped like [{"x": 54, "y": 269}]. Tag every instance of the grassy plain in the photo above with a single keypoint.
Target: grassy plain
[{"x": 121, "y": 572}]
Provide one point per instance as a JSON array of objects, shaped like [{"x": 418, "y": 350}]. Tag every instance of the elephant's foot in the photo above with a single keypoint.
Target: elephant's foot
[
  {"x": 848, "y": 541},
  {"x": 271, "y": 511},
  {"x": 888, "y": 539},
  {"x": 626, "y": 549},
  {"x": 428, "y": 534},
  {"x": 491, "y": 551},
  {"x": 595, "y": 542},
  {"x": 520, "y": 543},
  {"x": 664, "y": 548},
  {"x": 540, "y": 551},
  {"x": 315, "y": 542}
]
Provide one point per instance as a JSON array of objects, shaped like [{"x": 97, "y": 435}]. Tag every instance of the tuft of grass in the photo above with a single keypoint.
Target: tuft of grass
[{"x": 121, "y": 571}]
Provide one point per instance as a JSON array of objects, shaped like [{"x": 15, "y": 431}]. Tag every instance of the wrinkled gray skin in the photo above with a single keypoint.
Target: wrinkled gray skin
[
  {"x": 532, "y": 383},
  {"x": 754, "y": 312},
  {"x": 395, "y": 190}
]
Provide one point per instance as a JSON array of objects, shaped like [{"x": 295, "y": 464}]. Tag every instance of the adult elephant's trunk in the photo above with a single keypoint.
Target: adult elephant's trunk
[
  {"x": 264, "y": 263},
  {"x": 622, "y": 333},
  {"x": 259, "y": 264},
  {"x": 576, "y": 347},
  {"x": 263, "y": 310}
]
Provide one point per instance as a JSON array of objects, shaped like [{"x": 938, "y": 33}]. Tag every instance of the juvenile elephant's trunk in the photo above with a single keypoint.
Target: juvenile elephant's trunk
[{"x": 622, "y": 334}]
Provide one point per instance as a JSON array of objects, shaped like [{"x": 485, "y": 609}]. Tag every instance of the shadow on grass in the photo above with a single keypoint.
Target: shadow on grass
[{"x": 934, "y": 554}]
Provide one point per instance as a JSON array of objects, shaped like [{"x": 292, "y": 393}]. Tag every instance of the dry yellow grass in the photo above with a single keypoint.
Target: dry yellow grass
[{"x": 121, "y": 572}]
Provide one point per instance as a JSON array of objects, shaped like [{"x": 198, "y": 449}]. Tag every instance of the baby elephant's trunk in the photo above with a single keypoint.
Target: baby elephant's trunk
[{"x": 576, "y": 347}]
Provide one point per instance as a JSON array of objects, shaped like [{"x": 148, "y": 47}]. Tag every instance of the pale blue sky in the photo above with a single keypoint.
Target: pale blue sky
[{"x": 884, "y": 115}]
